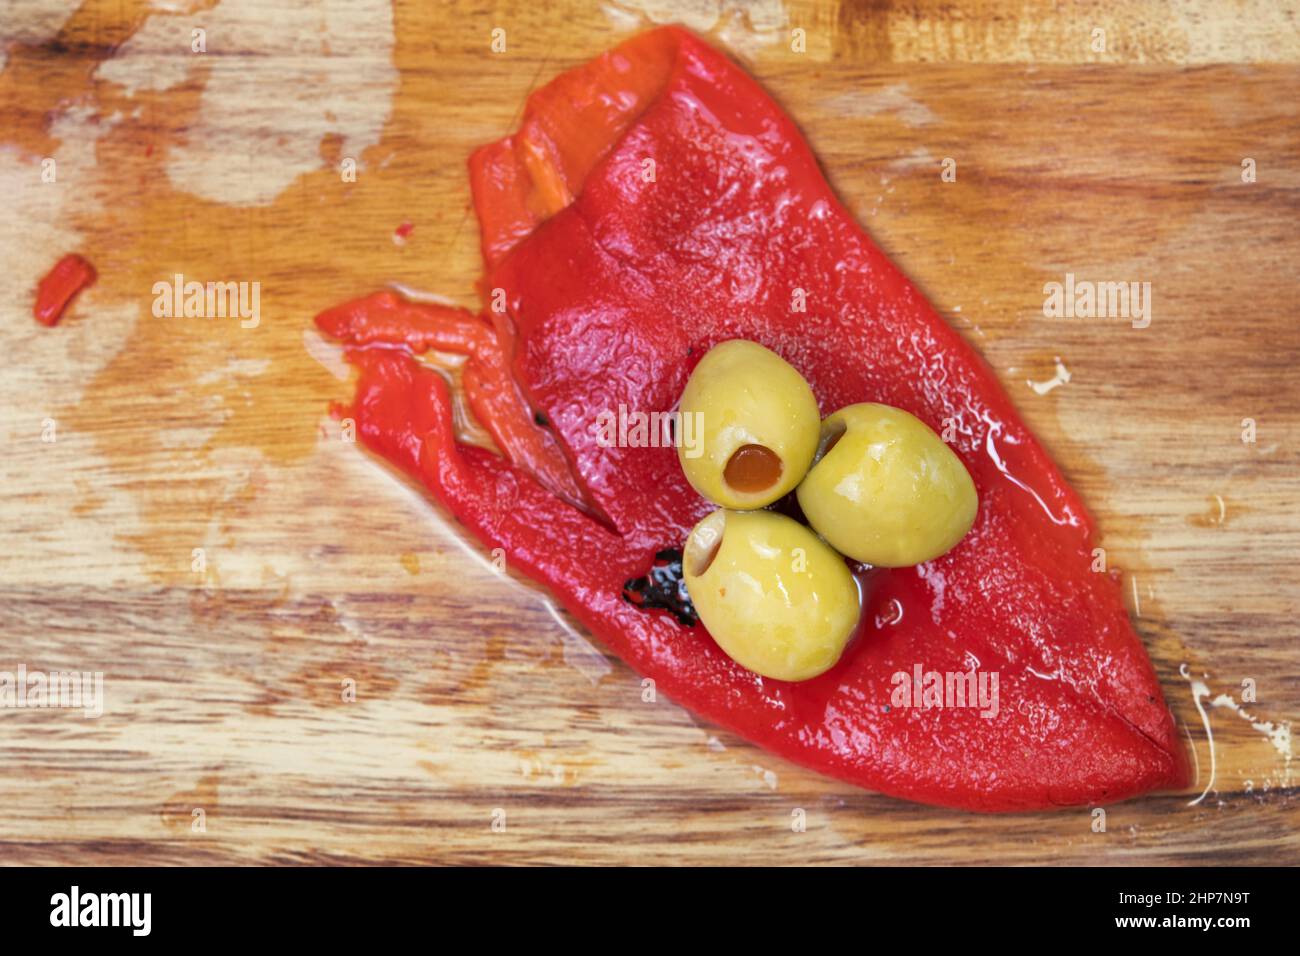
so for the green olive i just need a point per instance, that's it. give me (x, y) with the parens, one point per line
(755, 425)
(775, 598)
(885, 489)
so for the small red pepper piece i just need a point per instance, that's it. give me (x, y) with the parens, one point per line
(60, 286)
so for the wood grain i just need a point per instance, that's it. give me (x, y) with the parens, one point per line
(223, 685)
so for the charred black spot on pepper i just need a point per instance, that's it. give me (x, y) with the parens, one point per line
(663, 587)
(541, 419)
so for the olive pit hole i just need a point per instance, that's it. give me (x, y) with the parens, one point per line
(832, 432)
(704, 545)
(752, 469)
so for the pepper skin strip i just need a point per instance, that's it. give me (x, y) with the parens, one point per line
(387, 319)
(612, 298)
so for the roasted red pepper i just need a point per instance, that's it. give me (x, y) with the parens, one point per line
(654, 203)
(60, 286)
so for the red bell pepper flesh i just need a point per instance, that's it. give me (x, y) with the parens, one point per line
(60, 286)
(612, 299)
(521, 180)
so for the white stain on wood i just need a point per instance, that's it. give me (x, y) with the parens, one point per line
(1061, 377)
(894, 100)
(270, 96)
(1278, 734)
(46, 370)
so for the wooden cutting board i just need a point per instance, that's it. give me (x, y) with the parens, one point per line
(199, 531)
